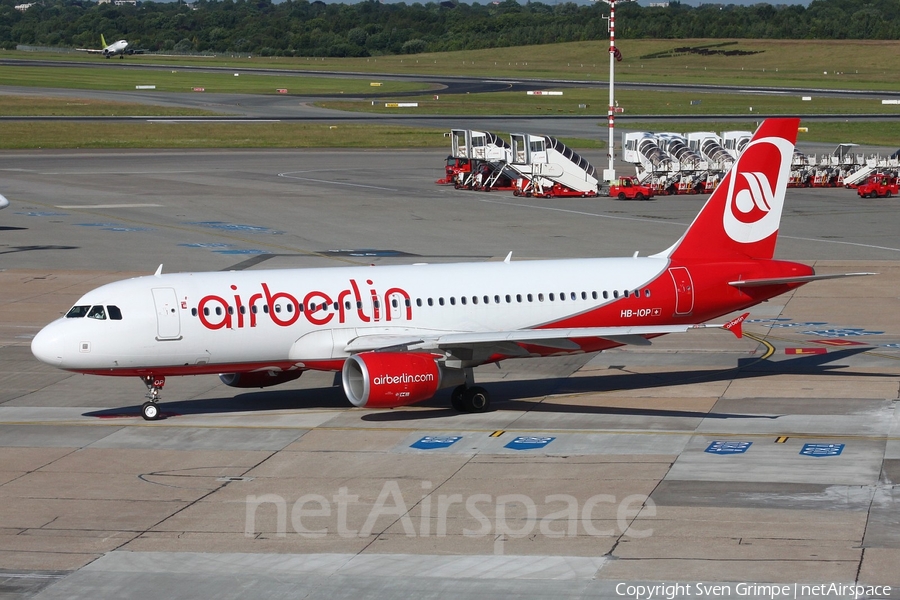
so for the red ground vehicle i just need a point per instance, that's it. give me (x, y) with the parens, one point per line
(878, 185)
(454, 167)
(630, 188)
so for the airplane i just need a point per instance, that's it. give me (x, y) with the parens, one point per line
(121, 48)
(3, 202)
(398, 334)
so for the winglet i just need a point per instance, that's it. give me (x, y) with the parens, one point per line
(508, 257)
(158, 271)
(734, 326)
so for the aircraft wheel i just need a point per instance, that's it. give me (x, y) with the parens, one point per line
(456, 398)
(150, 411)
(476, 400)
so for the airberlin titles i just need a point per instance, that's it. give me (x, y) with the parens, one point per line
(215, 312)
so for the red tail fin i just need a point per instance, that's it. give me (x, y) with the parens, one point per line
(742, 216)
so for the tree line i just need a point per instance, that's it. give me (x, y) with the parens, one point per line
(369, 28)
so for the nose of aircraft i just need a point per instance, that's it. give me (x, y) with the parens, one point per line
(46, 345)
(3, 202)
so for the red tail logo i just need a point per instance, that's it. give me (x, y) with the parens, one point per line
(741, 218)
(756, 187)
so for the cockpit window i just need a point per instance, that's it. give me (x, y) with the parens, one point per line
(114, 313)
(97, 312)
(76, 312)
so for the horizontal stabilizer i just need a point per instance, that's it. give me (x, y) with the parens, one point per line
(788, 280)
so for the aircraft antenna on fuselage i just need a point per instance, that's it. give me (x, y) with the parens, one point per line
(508, 257)
(158, 271)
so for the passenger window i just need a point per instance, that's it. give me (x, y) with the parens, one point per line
(530, 298)
(394, 302)
(551, 297)
(193, 312)
(116, 315)
(76, 312)
(646, 293)
(509, 299)
(452, 301)
(219, 310)
(98, 313)
(497, 299)
(615, 293)
(278, 308)
(230, 310)
(441, 301)
(574, 297)
(255, 310)
(626, 293)
(518, 297)
(462, 300)
(605, 295)
(430, 302)
(594, 295)
(206, 311)
(243, 310)
(406, 302)
(540, 297)
(418, 302)
(347, 304)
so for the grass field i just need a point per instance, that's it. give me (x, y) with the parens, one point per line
(173, 80)
(838, 64)
(23, 106)
(862, 65)
(634, 102)
(25, 135)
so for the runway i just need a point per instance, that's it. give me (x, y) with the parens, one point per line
(772, 459)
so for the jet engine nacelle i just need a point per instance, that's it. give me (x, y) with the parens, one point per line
(389, 379)
(258, 379)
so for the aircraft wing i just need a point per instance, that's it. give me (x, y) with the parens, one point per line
(91, 50)
(556, 338)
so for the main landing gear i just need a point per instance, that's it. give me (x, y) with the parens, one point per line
(150, 409)
(470, 398)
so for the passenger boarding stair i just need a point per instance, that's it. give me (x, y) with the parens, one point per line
(488, 154)
(550, 168)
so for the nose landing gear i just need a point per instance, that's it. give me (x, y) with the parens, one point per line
(150, 409)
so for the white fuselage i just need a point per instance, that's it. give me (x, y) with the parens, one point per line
(211, 322)
(115, 48)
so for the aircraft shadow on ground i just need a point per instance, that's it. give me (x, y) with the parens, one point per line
(11, 228)
(14, 249)
(523, 391)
